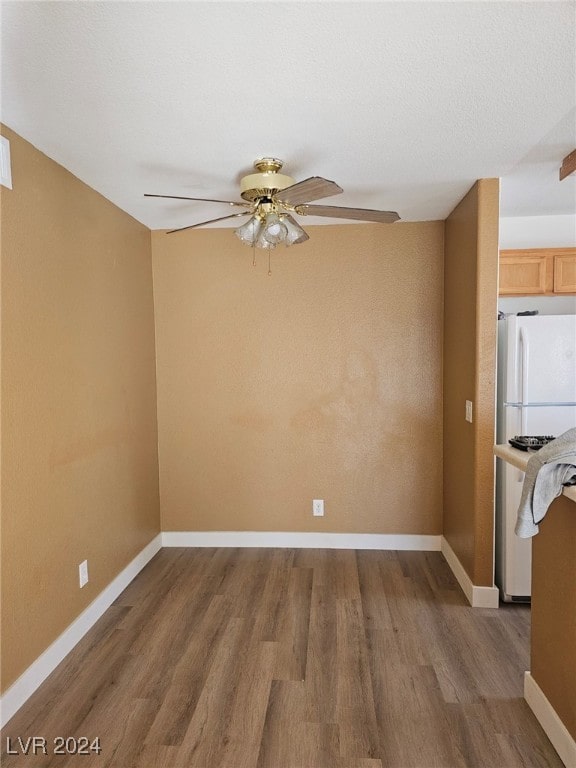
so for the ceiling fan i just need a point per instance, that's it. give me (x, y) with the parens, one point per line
(270, 198)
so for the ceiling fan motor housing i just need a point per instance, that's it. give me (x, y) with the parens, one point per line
(265, 183)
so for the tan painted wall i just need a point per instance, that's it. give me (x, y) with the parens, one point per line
(79, 449)
(470, 310)
(320, 381)
(553, 635)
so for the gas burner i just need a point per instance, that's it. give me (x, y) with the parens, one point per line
(530, 442)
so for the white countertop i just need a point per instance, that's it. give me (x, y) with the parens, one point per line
(520, 459)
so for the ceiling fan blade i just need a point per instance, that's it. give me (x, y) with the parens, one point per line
(337, 212)
(199, 199)
(210, 221)
(314, 188)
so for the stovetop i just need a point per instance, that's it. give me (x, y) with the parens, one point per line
(530, 442)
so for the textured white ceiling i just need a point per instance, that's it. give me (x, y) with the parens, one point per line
(404, 104)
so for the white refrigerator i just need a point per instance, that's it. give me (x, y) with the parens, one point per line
(536, 396)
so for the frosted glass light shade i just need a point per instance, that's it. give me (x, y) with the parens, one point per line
(294, 232)
(262, 242)
(274, 229)
(250, 231)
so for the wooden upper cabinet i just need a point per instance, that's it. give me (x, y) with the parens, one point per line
(537, 271)
(525, 272)
(565, 272)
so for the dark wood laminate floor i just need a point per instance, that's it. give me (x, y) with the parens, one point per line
(283, 658)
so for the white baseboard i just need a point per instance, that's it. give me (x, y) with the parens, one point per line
(300, 540)
(21, 690)
(553, 727)
(478, 597)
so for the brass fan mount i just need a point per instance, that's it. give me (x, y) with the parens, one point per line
(268, 165)
(267, 182)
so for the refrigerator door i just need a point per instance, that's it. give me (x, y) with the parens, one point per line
(541, 359)
(513, 554)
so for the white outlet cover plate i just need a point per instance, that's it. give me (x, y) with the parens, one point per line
(318, 507)
(5, 165)
(83, 573)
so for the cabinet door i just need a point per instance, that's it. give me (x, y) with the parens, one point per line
(565, 271)
(525, 273)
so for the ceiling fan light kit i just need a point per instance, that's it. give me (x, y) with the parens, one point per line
(271, 197)
(269, 229)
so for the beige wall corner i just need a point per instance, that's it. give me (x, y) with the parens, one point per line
(79, 448)
(470, 318)
(322, 380)
(478, 597)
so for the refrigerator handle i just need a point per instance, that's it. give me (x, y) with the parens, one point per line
(523, 377)
(524, 360)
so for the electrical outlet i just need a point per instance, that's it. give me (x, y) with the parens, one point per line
(83, 573)
(5, 166)
(318, 507)
(469, 411)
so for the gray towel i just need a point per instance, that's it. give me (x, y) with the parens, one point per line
(548, 470)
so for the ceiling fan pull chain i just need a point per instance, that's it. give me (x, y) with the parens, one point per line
(269, 270)
(254, 254)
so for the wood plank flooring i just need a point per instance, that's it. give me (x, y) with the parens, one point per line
(284, 658)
